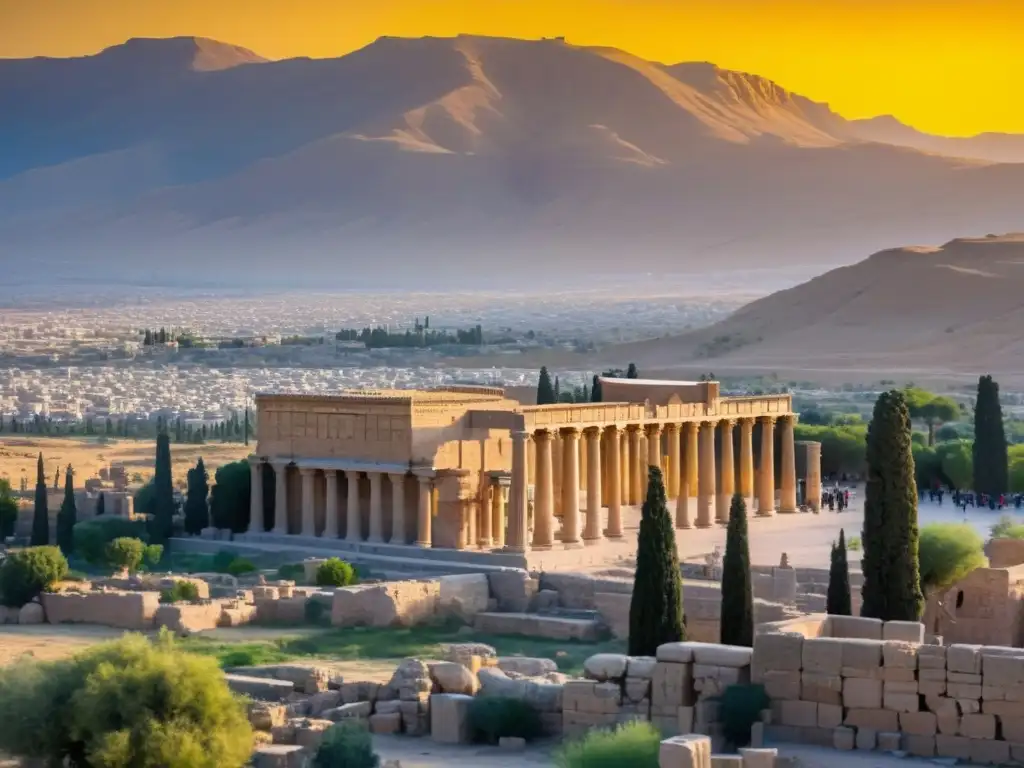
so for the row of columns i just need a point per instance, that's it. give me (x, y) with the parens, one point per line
(615, 467)
(354, 517)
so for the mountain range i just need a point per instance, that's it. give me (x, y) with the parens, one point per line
(468, 158)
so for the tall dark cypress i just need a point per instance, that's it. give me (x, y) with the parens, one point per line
(101, 504)
(892, 579)
(41, 512)
(595, 389)
(737, 623)
(67, 516)
(839, 601)
(656, 608)
(632, 372)
(197, 509)
(163, 490)
(991, 468)
(545, 389)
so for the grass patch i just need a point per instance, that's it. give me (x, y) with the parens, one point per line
(384, 644)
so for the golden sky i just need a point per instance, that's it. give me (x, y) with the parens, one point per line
(947, 66)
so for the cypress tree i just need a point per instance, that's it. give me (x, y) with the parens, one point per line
(545, 389)
(101, 505)
(595, 389)
(632, 372)
(656, 608)
(892, 579)
(838, 601)
(163, 490)
(737, 624)
(989, 452)
(41, 513)
(67, 516)
(197, 510)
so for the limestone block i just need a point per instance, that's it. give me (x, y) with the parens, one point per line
(31, 613)
(1012, 729)
(605, 666)
(684, 719)
(994, 693)
(855, 627)
(969, 706)
(280, 756)
(876, 719)
(613, 608)
(862, 654)
(1004, 667)
(575, 723)
(931, 657)
(726, 761)
(706, 712)
(259, 688)
(859, 693)
(919, 723)
(953, 746)
(320, 702)
(918, 745)
(899, 655)
(931, 687)
(798, 713)
(899, 675)
(450, 677)
(960, 691)
(867, 738)
(758, 758)
(825, 689)
(899, 687)
(713, 654)
(783, 684)
(901, 702)
(667, 725)
(978, 726)
(890, 741)
(776, 652)
(908, 631)
(449, 718)
(823, 655)
(576, 691)
(757, 735)
(677, 653)
(966, 678)
(473, 656)
(636, 689)
(546, 696)
(359, 691)
(463, 595)
(640, 666)
(309, 733)
(526, 665)
(264, 716)
(948, 722)
(672, 685)
(1003, 708)
(843, 738)
(122, 610)
(494, 682)
(964, 658)
(989, 752)
(394, 603)
(391, 723)
(687, 751)
(781, 734)
(830, 715)
(388, 707)
(934, 675)
(819, 737)
(513, 589)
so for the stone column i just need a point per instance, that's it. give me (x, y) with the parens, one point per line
(614, 530)
(727, 479)
(636, 473)
(787, 499)
(672, 481)
(354, 520)
(308, 507)
(625, 467)
(256, 522)
(376, 508)
(766, 473)
(331, 513)
(496, 524)
(747, 461)
(281, 498)
(592, 530)
(544, 498)
(683, 503)
(653, 452)
(557, 463)
(812, 478)
(515, 538)
(571, 487)
(397, 507)
(692, 429)
(423, 512)
(706, 491)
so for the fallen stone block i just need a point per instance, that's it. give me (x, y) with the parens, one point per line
(264, 716)
(450, 677)
(359, 710)
(449, 718)
(606, 666)
(526, 665)
(687, 751)
(259, 687)
(393, 603)
(513, 589)
(758, 757)
(463, 595)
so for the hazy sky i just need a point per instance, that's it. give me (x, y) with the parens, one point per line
(947, 66)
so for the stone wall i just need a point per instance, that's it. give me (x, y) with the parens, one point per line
(1004, 553)
(985, 607)
(124, 610)
(962, 701)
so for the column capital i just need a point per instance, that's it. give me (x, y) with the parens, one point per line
(352, 474)
(396, 477)
(747, 420)
(543, 435)
(330, 472)
(280, 464)
(521, 434)
(593, 431)
(728, 420)
(790, 418)
(255, 461)
(572, 430)
(672, 427)
(307, 471)
(424, 479)
(652, 429)
(767, 419)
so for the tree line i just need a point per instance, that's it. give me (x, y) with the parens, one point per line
(421, 336)
(232, 430)
(550, 391)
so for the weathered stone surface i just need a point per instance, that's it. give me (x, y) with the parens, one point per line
(31, 613)
(830, 715)
(918, 745)
(953, 746)
(890, 741)
(310, 732)
(825, 689)
(964, 658)
(906, 631)
(394, 603)
(823, 655)
(605, 666)
(989, 752)
(782, 684)
(899, 655)
(919, 723)
(449, 718)
(123, 610)
(613, 608)
(901, 702)
(536, 625)
(450, 677)
(855, 627)
(513, 589)
(280, 756)
(862, 654)
(464, 595)
(359, 710)
(866, 738)
(640, 666)
(259, 687)
(844, 738)
(672, 686)
(802, 714)
(880, 720)
(386, 723)
(526, 665)
(715, 655)
(978, 726)
(546, 696)
(859, 693)
(264, 716)
(687, 751)
(678, 653)
(931, 657)
(776, 652)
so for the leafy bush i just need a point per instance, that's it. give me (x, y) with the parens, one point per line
(124, 704)
(494, 717)
(92, 536)
(240, 566)
(222, 561)
(739, 709)
(152, 555)
(125, 553)
(947, 552)
(317, 613)
(27, 573)
(635, 745)
(292, 572)
(853, 544)
(1007, 528)
(335, 573)
(346, 745)
(181, 592)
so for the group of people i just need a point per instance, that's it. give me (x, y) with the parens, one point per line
(835, 497)
(965, 499)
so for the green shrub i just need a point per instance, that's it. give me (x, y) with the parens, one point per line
(222, 561)
(240, 566)
(853, 544)
(125, 553)
(124, 704)
(317, 613)
(92, 536)
(152, 555)
(740, 707)
(181, 592)
(1007, 528)
(493, 717)
(947, 552)
(292, 572)
(346, 745)
(635, 745)
(27, 573)
(335, 573)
